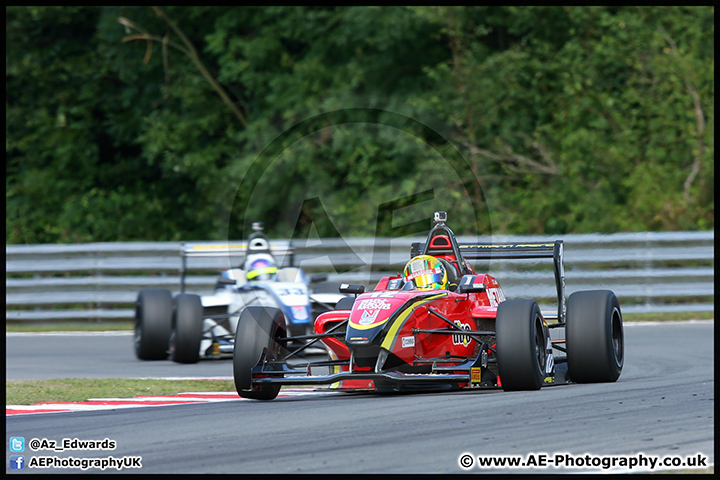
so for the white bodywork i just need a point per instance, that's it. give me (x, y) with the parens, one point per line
(293, 294)
(284, 288)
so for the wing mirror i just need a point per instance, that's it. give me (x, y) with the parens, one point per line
(349, 288)
(468, 285)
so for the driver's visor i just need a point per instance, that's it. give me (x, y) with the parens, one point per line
(254, 273)
(431, 278)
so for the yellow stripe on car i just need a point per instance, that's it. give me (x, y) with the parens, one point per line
(400, 320)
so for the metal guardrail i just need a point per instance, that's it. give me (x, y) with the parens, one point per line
(649, 272)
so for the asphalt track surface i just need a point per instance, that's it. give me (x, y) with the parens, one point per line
(662, 405)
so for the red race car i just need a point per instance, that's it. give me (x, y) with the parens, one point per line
(439, 325)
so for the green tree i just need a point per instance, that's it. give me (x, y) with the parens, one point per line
(583, 119)
(147, 123)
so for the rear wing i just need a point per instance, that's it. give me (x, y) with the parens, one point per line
(513, 251)
(224, 250)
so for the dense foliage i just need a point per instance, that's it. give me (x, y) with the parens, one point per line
(180, 123)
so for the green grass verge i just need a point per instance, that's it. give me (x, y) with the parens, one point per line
(709, 470)
(666, 317)
(27, 392)
(68, 327)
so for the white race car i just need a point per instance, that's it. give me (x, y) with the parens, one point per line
(190, 327)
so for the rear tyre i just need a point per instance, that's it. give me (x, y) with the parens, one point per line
(187, 332)
(594, 337)
(153, 320)
(258, 329)
(521, 345)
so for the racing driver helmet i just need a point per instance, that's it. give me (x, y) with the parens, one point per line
(260, 267)
(425, 272)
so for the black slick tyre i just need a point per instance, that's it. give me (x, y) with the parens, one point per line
(187, 329)
(594, 337)
(258, 330)
(521, 345)
(153, 320)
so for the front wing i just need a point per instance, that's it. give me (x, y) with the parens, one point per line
(469, 373)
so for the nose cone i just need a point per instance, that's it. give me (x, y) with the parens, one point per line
(370, 314)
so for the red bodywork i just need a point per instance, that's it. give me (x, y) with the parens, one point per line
(397, 321)
(399, 337)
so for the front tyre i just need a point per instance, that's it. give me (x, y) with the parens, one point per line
(153, 320)
(258, 330)
(187, 332)
(594, 337)
(521, 345)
